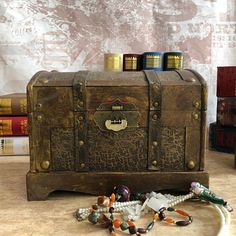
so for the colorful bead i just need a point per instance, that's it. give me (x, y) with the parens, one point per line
(190, 218)
(130, 223)
(124, 226)
(182, 223)
(111, 210)
(113, 197)
(111, 228)
(183, 213)
(104, 221)
(132, 230)
(161, 215)
(93, 217)
(95, 207)
(150, 226)
(116, 223)
(124, 193)
(155, 217)
(169, 220)
(162, 209)
(170, 209)
(141, 231)
(103, 201)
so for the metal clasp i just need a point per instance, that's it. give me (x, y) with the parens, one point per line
(116, 125)
(117, 108)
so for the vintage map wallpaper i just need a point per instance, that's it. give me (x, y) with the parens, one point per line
(71, 35)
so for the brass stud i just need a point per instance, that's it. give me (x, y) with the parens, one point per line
(39, 105)
(44, 80)
(154, 163)
(191, 165)
(155, 86)
(82, 165)
(154, 143)
(196, 104)
(191, 79)
(45, 165)
(81, 117)
(81, 142)
(196, 116)
(39, 118)
(154, 117)
(155, 104)
(80, 104)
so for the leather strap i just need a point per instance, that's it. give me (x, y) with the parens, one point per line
(154, 129)
(80, 123)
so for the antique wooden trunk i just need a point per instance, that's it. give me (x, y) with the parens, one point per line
(90, 131)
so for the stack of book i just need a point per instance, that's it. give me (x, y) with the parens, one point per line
(223, 132)
(13, 125)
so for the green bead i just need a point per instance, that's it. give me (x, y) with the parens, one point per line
(207, 196)
(150, 226)
(124, 226)
(95, 207)
(170, 209)
(118, 197)
(190, 218)
(93, 217)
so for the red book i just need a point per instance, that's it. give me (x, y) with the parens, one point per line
(222, 138)
(14, 126)
(226, 81)
(226, 111)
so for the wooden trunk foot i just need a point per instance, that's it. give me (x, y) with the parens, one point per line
(40, 185)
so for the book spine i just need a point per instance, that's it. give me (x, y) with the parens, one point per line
(222, 138)
(226, 111)
(14, 126)
(10, 146)
(226, 81)
(16, 106)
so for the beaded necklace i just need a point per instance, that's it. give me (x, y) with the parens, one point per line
(119, 202)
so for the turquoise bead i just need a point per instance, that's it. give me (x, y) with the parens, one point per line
(93, 217)
(170, 209)
(124, 226)
(150, 226)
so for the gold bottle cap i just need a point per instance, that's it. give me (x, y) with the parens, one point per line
(113, 62)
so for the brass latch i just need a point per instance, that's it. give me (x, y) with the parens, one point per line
(116, 116)
(117, 108)
(116, 125)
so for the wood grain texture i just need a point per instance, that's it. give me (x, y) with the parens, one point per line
(40, 185)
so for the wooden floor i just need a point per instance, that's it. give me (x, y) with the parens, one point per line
(55, 216)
